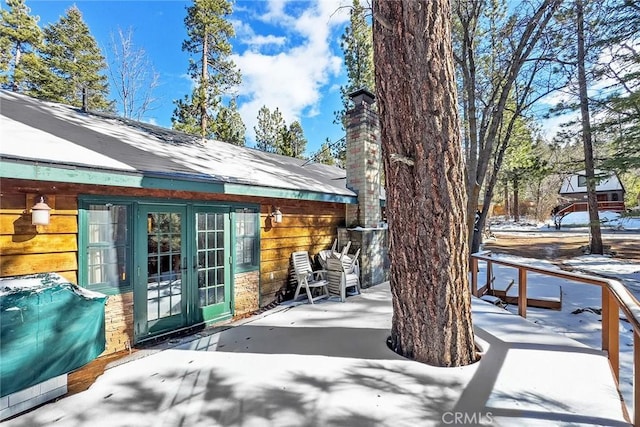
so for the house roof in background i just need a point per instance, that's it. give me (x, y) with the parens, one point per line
(609, 182)
(55, 142)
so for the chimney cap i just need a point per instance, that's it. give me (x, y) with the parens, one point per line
(362, 95)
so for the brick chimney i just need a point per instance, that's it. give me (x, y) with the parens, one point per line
(363, 160)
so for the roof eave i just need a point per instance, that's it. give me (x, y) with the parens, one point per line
(149, 180)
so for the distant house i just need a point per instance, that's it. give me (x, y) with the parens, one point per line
(178, 232)
(609, 192)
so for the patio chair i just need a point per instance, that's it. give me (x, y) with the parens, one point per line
(342, 273)
(351, 263)
(324, 254)
(307, 278)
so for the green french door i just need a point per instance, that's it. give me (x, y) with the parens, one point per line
(183, 268)
(212, 264)
(163, 287)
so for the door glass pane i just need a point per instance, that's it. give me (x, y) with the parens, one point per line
(211, 258)
(164, 265)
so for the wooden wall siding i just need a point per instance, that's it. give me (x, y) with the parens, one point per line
(306, 226)
(27, 249)
(119, 323)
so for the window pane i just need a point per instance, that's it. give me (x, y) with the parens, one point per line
(107, 245)
(246, 238)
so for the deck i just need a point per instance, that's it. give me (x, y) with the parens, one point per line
(328, 364)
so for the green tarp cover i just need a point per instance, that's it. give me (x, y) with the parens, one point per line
(48, 327)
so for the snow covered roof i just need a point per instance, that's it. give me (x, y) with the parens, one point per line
(576, 183)
(40, 134)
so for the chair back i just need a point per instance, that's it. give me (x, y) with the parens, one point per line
(301, 263)
(350, 262)
(335, 272)
(345, 250)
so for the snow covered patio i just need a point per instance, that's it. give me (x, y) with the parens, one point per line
(328, 364)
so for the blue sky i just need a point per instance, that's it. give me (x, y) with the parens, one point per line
(288, 51)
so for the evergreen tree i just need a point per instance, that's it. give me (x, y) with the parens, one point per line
(522, 161)
(621, 104)
(269, 129)
(229, 126)
(214, 72)
(421, 146)
(20, 36)
(324, 154)
(74, 63)
(292, 142)
(357, 47)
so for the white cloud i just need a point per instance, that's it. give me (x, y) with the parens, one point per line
(266, 40)
(552, 125)
(246, 35)
(295, 78)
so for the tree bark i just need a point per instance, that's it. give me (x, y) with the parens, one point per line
(595, 241)
(507, 207)
(516, 200)
(426, 200)
(203, 86)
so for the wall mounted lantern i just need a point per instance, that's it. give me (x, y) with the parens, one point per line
(40, 212)
(276, 215)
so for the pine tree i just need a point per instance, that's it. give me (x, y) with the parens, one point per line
(521, 161)
(357, 47)
(621, 104)
(214, 72)
(229, 126)
(292, 141)
(74, 64)
(20, 36)
(324, 154)
(269, 129)
(420, 134)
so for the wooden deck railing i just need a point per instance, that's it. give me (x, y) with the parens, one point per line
(583, 207)
(615, 297)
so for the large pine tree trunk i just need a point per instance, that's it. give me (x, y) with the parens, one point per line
(595, 243)
(426, 201)
(204, 84)
(516, 200)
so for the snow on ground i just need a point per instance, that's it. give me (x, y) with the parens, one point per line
(579, 316)
(608, 220)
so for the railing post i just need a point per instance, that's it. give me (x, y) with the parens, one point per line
(474, 276)
(611, 330)
(522, 292)
(489, 273)
(636, 379)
